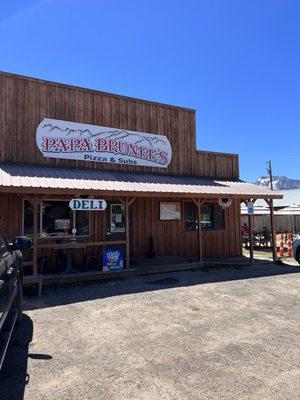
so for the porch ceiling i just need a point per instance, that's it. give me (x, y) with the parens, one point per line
(49, 179)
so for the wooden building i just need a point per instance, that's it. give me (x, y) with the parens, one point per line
(143, 163)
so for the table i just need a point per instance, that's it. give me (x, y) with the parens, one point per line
(69, 247)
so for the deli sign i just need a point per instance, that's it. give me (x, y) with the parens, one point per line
(71, 140)
(87, 204)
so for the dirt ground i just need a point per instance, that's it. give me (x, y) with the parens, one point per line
(222, 333)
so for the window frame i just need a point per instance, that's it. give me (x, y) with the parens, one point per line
(213, 229)
(170, 202)
(40, 222)
(110, 218)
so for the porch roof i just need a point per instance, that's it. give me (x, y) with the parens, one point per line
(53, 179)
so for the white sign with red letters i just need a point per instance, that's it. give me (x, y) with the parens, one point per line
(76, 141)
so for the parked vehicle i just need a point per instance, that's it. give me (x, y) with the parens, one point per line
(11, 293)
(296, 250)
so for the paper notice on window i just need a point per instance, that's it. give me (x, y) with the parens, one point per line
(62, 224)
(118, 218)
(170, 211)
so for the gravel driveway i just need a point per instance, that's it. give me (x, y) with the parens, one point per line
(204, 334)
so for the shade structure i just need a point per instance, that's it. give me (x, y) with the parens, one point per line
(37, 178)
(290, 210)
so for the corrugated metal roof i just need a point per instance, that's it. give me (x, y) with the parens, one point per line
(28, 176)
(291, 196)
(291, 210)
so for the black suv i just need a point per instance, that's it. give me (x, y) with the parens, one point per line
(11, 294)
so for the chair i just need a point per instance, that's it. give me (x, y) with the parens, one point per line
(93, 261)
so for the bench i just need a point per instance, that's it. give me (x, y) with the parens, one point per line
(32, 280)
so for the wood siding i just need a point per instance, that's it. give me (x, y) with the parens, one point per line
(24, 102)
(169, 237)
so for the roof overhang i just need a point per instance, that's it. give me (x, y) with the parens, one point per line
(16, 178)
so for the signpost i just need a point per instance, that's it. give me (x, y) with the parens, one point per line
(250, 207)
(87, 204)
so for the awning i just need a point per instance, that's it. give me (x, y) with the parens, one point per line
(52, 179)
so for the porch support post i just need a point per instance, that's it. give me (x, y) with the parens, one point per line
(250, 224)
(127, 204)
(273, 228)
(198, 204)
(35, 233)
(35, 201)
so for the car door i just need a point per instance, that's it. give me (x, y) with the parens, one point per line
(5, 279)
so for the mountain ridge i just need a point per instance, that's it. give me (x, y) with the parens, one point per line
(279, 182)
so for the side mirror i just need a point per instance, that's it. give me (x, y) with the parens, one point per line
(21, 243)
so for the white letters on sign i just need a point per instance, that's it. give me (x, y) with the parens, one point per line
(88, 204)
(71, 140)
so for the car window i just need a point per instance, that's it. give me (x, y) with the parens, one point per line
(3, 244)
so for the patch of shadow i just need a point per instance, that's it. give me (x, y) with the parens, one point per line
(164, 281)
(40, 356)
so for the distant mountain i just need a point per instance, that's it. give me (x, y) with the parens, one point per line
(279, 182)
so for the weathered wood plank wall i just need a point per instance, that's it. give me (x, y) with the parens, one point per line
(24, 102)
(170, 237)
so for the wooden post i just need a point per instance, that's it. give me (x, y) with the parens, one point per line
(273, 229)
(35, 201)
(198, 203)
(127, 204)
(250, 224)
(35, 233)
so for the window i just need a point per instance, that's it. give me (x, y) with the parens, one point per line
(190, 217)
(207, 216)
(169, 211)
(117, 218)
(55, 218)
(212, 216)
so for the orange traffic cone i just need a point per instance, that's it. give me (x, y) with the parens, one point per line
(281, 249)
(289, 243)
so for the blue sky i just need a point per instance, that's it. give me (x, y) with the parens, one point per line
(236, 62)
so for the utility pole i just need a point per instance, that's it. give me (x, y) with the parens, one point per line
(269, 169)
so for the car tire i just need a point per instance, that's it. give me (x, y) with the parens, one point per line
(19, 303)
(298, 255)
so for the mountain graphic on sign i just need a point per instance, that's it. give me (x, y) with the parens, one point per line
(122, 133)
(115, 134)
(67, 131)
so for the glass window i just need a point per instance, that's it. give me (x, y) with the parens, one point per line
(82, 222)
(27, 218)
(190, 216)
(212, 216)
(206, 216)
(218, 214)
(55, 218)
(117, 218)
